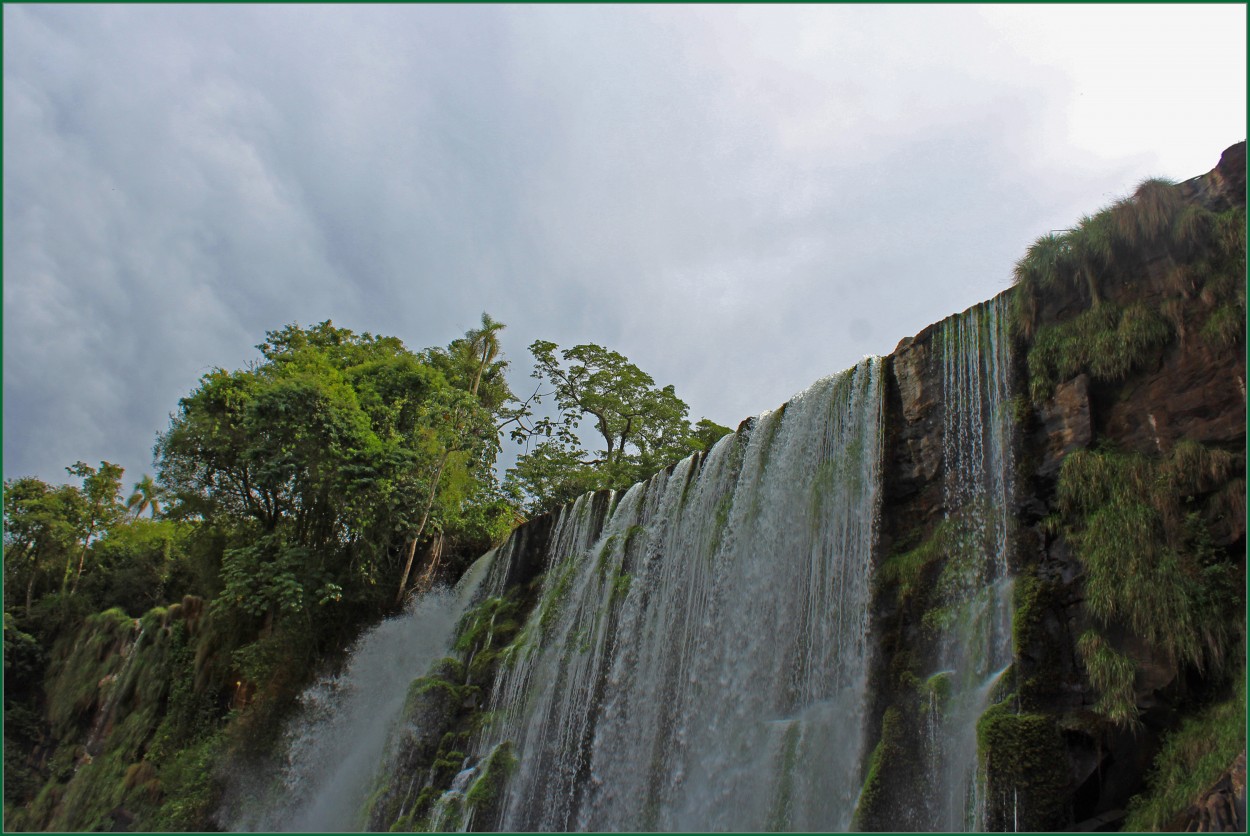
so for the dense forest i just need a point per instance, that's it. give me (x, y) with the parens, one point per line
(296, 501)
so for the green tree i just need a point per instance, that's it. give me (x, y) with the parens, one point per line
(456, 430)
(333, 458)
(473, 363)
(102, 491)
(41, 527)
(643, 426)
(147, 494)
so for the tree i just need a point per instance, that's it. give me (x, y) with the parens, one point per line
(473, 363)
(147, 494)
(333, 459)
(455, 425)
(643, 426)
(101, 489)
(42, 524)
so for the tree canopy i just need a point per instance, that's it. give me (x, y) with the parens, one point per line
(643, 427)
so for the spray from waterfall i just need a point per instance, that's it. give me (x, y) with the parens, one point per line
(339, 737)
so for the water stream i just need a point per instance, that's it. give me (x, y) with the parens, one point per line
(974, 616)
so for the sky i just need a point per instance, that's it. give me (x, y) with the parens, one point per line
(740, 199)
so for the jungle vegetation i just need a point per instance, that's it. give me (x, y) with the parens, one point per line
(295, 501)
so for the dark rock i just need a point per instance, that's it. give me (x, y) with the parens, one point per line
(1066, 424)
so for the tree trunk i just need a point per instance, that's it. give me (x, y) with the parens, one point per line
(30, 587)
(425, 517)
(412, 551)
(436, 557)
(82, 557)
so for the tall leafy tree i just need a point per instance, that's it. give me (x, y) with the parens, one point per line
(474, 363)
(42, 526)
(101, 489)
(334, 458)
(642, 426)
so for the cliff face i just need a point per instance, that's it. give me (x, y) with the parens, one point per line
(1172, 410)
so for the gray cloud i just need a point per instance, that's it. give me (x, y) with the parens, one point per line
(740, 200)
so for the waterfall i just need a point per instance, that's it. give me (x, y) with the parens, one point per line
(345, 722)
(691, 653)
(973, 619)
(698, 656)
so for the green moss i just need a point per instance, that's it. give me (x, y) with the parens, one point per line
(485, 789)
(1189, 762)
(631, 535)
(605, 554)
(620, 586)
(553, 598)
(1225, 327)
(780, 812)
(487, 623)
(905, 571)
(937, 689)
(1025, 763)
(886, 756)
(84, 669)
(723, 506)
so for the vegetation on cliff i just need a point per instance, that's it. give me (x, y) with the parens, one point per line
(1153, 287)
(296, 500)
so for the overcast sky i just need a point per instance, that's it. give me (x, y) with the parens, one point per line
(739, 199)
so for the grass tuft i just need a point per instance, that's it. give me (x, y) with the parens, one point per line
(1106, 341)
(1190, 761)
(1112, 674)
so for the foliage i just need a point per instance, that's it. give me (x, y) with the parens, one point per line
(906, 571)
(331, 459)
(1111, 673)
(287, 497)
(1117, 241)
(552, 474)
(643, 427)
(1105, 341)
(889, 752)
(1190, 761)
(1149, 565)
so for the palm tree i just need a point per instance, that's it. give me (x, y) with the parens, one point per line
(147, 494)
(484, 346)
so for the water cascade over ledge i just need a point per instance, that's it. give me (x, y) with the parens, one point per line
(973, 618)
(693, 653)
(346, 721)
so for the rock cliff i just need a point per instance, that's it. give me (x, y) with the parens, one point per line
(1139, 369)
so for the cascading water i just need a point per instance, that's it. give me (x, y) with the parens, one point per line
(345, 723)
(699, 659)
(973, 620)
